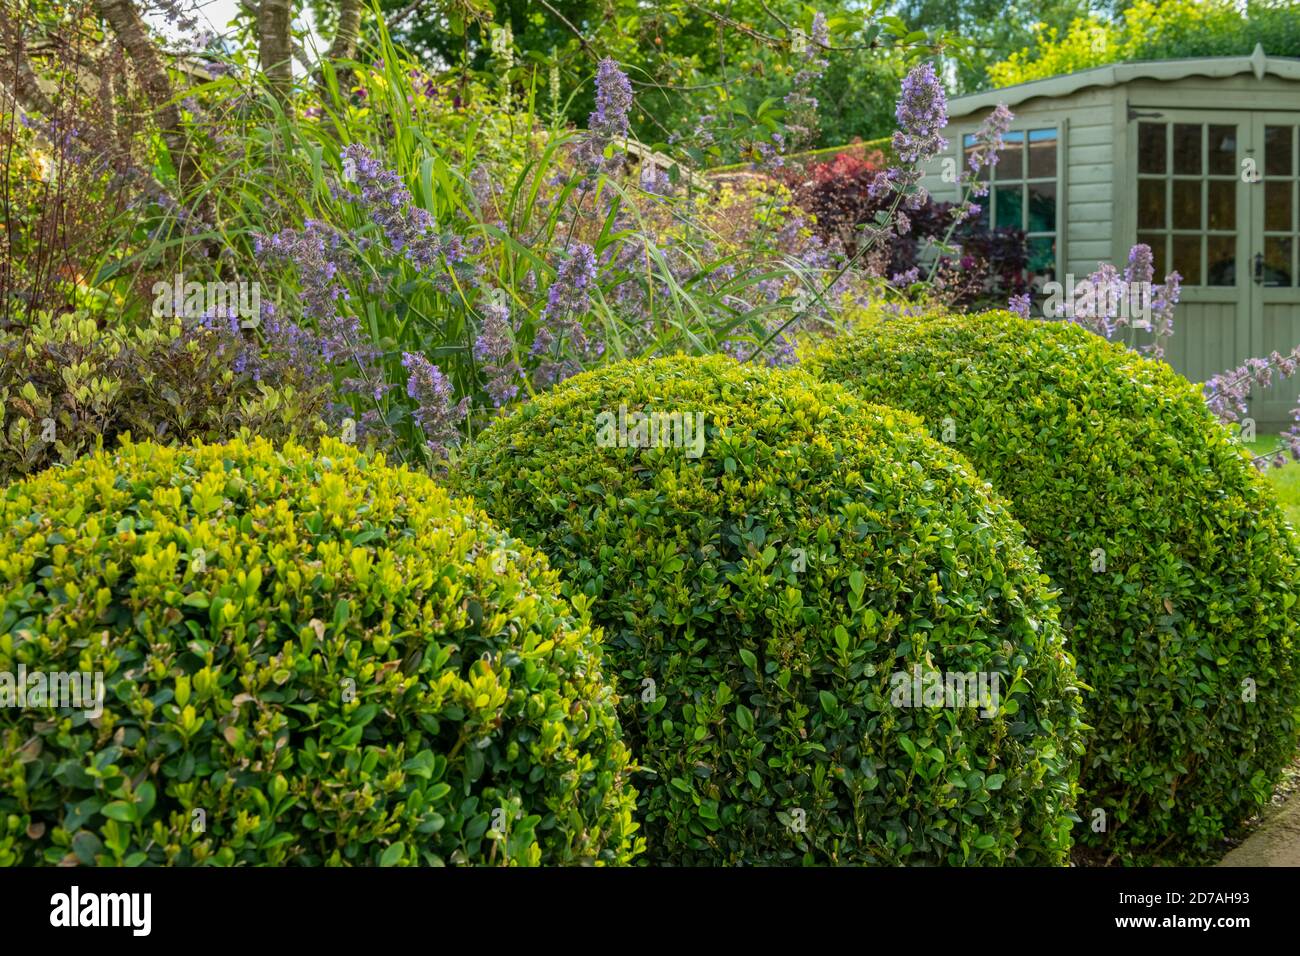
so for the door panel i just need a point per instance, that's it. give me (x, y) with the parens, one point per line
(1275, 279)
(1217, 197)
(1193, 210)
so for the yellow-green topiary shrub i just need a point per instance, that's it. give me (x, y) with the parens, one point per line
(306, 658)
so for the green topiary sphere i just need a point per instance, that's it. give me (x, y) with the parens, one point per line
(770, 566)
(305, 659)
(1177, 569)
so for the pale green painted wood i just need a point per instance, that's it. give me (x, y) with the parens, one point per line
(1097, 190)
(1120, 75)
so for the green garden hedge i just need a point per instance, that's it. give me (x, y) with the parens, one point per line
(774, 566)
(1177, 570)
(305, 658)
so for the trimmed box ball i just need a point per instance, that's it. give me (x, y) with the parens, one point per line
(832, 644)
(272, 656)
(1177, 569)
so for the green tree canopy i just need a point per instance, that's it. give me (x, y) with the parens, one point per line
(1155, 31)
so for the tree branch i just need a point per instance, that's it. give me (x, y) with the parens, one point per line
(400, 18)
(572, 29)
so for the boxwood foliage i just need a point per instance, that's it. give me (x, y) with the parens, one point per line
(1177, 568)
(306, 659)
(760, 593)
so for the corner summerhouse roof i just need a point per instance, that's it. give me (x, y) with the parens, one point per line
(1117, 74)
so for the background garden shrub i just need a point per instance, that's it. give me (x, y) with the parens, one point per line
(70, 384)
(760, 591)
(983, 264)
(316, 660)
(1177, 570)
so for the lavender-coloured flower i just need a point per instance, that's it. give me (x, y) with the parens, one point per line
(570, 293)
(435, 412)
(902, 280)
(799, 102)
(493, 347)
(408, 229)
(770, 157)
(703, 132)
(1164, 299)
(820, 34)
(1141, 265)
(1020, 305)
(922, 112)
(613, 101)
(1228, 393)
(609, 121)
(780, 350)
(317, 255)
(1097, 307)
(561, 341)
(1109, 301)
(655, 180)
(988, 139)
(483, 186)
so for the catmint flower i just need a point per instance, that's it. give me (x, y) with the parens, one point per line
(770, 153)
(408, 229)
(922, 112)
(655, 180)
(1109, 295)
(613, 101)
(570, 293)
(988, 139)
(561, 339)
(821, 34)
(609, 121)
(1020, 305)
(315, 252)
(1141, 264)
(493, 348)
(434, 412)
(1164, 298)
(482, 186)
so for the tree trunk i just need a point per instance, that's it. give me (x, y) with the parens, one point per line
(132, 33)
(344, 46)
(274, 51)
(16, 72)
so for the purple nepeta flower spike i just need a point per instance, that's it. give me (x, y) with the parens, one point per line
(922, 112)
(988, 139)
(435, 413)
(570, 293)
(613, 100)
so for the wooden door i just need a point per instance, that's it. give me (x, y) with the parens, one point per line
(1275, 245)
(1193, 210)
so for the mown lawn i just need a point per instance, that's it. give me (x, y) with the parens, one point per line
(1286, 479)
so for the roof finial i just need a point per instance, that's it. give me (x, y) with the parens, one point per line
(1259, 61)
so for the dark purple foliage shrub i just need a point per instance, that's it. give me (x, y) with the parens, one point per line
(992, 264)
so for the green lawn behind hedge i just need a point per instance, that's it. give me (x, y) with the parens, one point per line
(1286, 479)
